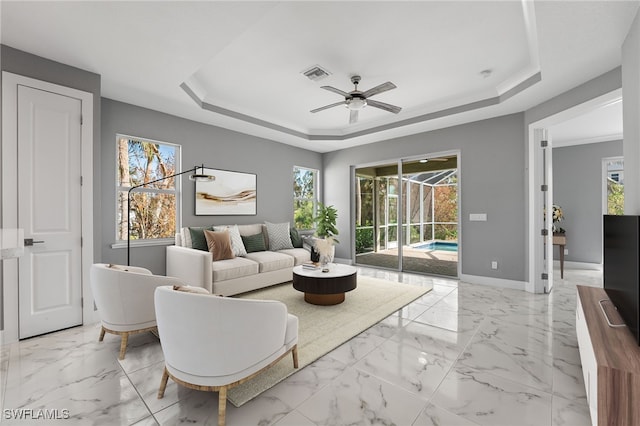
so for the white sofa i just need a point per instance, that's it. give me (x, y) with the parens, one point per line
(233, 276)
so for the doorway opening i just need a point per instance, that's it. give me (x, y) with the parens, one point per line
(406, 215)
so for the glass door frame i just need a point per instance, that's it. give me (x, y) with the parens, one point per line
(401, 209)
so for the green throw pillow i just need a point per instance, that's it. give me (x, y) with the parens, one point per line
(296, 239)
(254, 243)
(198, 241)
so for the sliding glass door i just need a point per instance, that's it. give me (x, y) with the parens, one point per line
(406, 216)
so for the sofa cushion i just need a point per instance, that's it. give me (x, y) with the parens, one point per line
(198, 241)
(219, 244)
(299, 255)
(236, 240)
(271, 261)
(233, 268)
(253, 243)
(279, 238)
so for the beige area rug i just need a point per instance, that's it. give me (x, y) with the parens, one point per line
(323, 328)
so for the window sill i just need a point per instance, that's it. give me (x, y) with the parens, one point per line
(147, 243)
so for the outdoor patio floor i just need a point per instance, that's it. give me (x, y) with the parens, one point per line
(436, 262)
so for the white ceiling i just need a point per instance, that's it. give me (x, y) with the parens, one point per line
(239, 64)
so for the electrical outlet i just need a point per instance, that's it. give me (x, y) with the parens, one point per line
(566, 252)
(494, 264)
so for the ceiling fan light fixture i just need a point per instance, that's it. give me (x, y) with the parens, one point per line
(356, 103)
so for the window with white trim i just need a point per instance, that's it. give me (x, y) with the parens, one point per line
(305, 197)
(154, 211)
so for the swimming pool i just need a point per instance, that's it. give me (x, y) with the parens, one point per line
(439, 245)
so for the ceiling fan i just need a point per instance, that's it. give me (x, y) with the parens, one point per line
(356, 100)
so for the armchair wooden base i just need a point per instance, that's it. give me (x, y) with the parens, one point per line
(222, 390)
(125, 336)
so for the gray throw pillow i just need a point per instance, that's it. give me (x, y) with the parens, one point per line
(279, 238)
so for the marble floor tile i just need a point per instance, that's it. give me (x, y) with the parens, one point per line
(111, 401)
(356, 397)
(389, 326)
(516, 334)
(531, 368)
(299, 387)
(143, 350)
(147, 421)
(437, 341)
(355, 349)
(491, 400)
(147, 382)
(37, 376)
(433, 415)
(407, 367)
(462, 320)
(566, 412)
(568, 380)
(294, 419)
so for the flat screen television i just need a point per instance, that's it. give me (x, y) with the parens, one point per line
(621, 270)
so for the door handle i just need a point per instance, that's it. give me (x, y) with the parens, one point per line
(29, 242)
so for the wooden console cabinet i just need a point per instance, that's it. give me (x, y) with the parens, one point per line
(610, 363)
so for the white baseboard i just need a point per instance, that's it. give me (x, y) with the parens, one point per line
(493, 282)
(578, 265)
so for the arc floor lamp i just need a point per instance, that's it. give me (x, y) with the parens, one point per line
(197, 177)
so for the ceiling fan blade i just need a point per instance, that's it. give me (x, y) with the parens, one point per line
(437, 159)
(379, 89)
(334, 90)
(328, 106)
(387, 107)
(353, 116)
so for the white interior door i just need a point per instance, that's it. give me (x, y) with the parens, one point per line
(49, 211)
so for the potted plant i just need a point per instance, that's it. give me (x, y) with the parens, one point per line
(327, 230)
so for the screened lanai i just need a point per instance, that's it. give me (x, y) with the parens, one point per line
(407, 216)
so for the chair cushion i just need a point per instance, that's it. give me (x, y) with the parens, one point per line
(299, 255)
(219, 244)
(271, 261)
(233, 268)
(236, 240)
(279, 237)
(253, 243)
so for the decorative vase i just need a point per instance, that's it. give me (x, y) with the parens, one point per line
(326, 250)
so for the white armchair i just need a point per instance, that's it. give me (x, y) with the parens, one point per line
(124, 298)
(213, 343)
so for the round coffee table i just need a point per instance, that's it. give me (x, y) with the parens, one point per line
(325, 288)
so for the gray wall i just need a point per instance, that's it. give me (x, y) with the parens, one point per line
(215, 147)
(577, 188)
(491, 182)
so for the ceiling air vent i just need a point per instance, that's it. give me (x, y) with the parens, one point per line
(316, 73)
